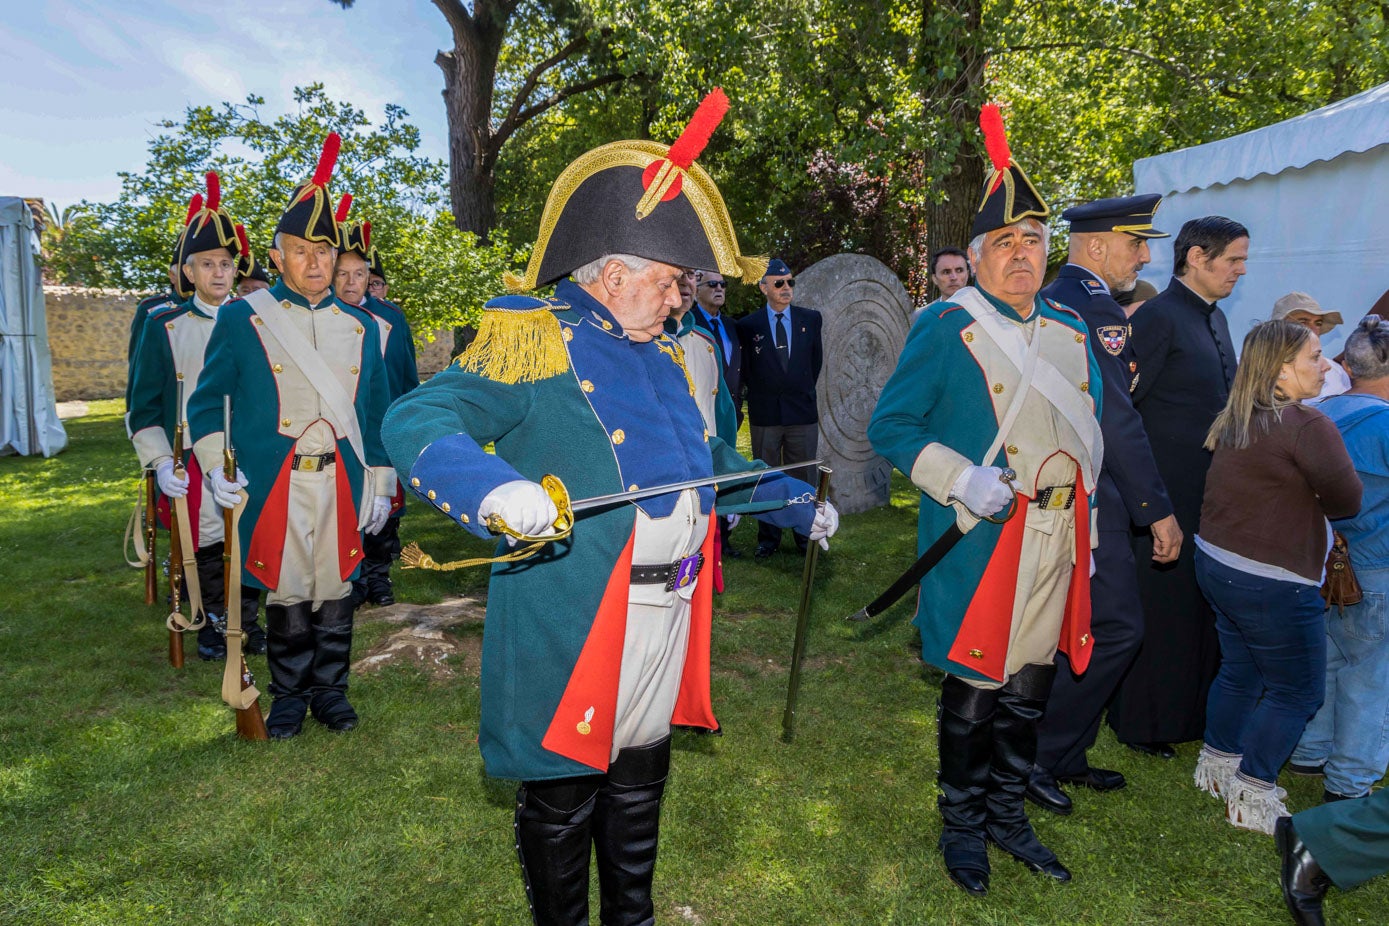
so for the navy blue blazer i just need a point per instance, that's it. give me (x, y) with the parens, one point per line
(732, 367)
(1129, 486)
(779, 396)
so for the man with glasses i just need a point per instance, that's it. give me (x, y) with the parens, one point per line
(782, 355)
(711, 290)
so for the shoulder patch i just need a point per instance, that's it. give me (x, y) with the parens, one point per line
(1093, 287)
(1113, 337)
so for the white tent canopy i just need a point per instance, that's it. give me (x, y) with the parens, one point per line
(28, 417)
(1313, 192)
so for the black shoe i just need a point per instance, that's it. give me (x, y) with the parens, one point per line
(334, 711)
(732, 553)
(383, 597)
(1331, 797)
(1043, 791)
(1028, 849)
(212, 652)
(286, 718)
(1096, 779)
(1160, 750)
(1303, 882)
(764, 551)
(973, 880)
(1307, 771)
(255, 640)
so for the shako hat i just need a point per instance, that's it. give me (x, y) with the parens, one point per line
(641, 198)
(210, 227)
(1132, 215)
(355, 236)
(247, 267)
(309, 213)
(1009, 195)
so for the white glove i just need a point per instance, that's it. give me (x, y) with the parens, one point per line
(1092, 564)
(825, 524)
(523, 505)
(380, 511)
(224, 493)
(733, 520)
(983, 491)
(171, 485)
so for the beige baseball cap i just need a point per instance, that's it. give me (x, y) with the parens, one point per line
(1301, 302)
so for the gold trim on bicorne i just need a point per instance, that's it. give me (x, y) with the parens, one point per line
(1010, 190)
(226, 229)
(320, 203)
(696, 186)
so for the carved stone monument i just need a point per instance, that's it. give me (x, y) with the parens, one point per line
(865, 309)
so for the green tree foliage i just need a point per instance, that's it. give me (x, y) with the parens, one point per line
(438, 274)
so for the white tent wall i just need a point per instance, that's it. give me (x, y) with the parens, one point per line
(1321, 229)
(28, 415)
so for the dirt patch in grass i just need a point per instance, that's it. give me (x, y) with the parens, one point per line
(442, 640)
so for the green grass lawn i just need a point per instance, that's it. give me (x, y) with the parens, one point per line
(126, 799)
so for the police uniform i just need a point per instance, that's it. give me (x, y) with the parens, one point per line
(308, 485)
(171, 352)
(1129, 490)
(594, 646)
(994, 612)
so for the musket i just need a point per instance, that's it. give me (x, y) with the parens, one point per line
(176, 546)
(151, 520)
(812, 550)
(250, 723)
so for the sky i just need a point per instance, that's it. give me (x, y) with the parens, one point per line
(84, 82)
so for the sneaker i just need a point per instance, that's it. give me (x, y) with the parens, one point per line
(1255, 805)
(1214, 769)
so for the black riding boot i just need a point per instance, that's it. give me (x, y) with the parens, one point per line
(290, 653)
(553, 834)
(625, 827)
(1020, 706)
(212, 640)
(966, 722)
(250, 623)
(332, 655)
(380, 550)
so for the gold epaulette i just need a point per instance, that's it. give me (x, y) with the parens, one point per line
(518, 341)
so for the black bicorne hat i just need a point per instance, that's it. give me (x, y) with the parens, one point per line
(184, 286)
(247, 267)
(1009, 195)
(375, 265)
(211, 227)
(355, 236)
(309, 213)
(640, 198)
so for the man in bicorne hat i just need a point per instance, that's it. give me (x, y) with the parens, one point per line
(308, 390)
(351, 283)
(172, 349)
(595, 645)
(991, 413)
(180, 290)
(250, 273)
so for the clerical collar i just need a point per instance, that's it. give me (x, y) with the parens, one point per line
(1194, 292)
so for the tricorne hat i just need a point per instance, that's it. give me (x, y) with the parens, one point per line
(1008, 196)
(309, 214)
(641, 198)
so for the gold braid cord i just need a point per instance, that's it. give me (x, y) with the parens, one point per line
(412, 557)
(672, 349)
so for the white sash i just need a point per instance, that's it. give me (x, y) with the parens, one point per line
(1046, 379)
(342, 413)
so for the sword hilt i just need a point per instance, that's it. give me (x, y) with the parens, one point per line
(563, 525)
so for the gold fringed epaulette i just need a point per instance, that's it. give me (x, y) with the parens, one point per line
(518, 341)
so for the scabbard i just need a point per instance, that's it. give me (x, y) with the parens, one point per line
(912, 577)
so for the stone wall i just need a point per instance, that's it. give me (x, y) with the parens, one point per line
(88, 331)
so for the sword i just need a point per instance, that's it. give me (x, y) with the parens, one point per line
(812, 551)
(926, 562)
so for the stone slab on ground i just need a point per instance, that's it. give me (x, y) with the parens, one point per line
(444, 639)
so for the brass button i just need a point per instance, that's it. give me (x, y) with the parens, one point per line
(998, 388)
(619, 436)
(430, 495)
(415, 481)
(337, 311)
(358, 329)
(257, 320)
(1084, 387)
(352, 370)
(706, 435)
(352, 552)
(444, 507)
(286, 303)
(607, 325)
(1043, 323)
(714, 391)
(632, 487)
(1080, 339)
(277, 368)
(284, 422)
(709, 348)
(178, 376)
(463, 518)
(169, 325)
(1085, 639)
(969, 336)
(977, 653)
(1143, 505)
(1012, 450)
(568, 334)
(259, 564)
(586, 386)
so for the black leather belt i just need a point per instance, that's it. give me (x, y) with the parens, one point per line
(672, 575)
(313, 462)
(1056, 498)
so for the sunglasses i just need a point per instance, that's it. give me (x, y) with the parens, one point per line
(714, 284)
(789, 281)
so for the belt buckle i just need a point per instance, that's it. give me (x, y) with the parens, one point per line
(1058, 498)
(684, 572)
(309, 464)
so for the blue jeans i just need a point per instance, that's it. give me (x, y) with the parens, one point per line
(1351, 731)
(1272, 665)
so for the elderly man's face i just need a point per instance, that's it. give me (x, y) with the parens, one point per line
(212, 273)
(350, 279)
(306, 266)
(778, 290)
(1012, 263)
(1123, 257)
(686, 285)
(712, 291)
(951, 274)
(248, 286)
(641, 301)
(376, 286)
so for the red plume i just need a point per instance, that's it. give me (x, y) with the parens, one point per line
(327, 160)
(214, 191)
(995, 138)
(366, 237)
(195, 205)
(696, 135)
(245, 242)
(344, 205)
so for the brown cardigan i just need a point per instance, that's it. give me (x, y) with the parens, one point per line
(1268, 501)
